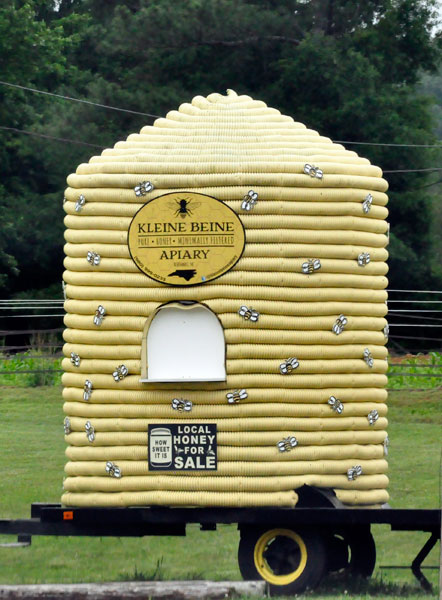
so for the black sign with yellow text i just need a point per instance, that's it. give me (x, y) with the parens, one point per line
(185, 238)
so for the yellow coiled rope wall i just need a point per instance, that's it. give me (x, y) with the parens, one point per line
(313, 269)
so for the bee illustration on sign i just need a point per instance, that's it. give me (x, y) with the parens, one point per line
(183, 209)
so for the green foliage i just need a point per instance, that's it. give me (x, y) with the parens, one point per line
(413, 379)
(34, 53)
(347, 69)
(31, 360)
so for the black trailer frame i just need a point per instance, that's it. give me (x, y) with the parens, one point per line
(54, 519)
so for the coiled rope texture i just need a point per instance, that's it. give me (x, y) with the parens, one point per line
(224, 146)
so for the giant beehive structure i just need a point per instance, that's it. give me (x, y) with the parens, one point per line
(315, 200)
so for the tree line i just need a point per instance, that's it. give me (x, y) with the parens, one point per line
(349, 69)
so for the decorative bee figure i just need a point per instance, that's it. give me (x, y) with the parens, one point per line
(335, 405)
(372, 417)
(90, 431)
(113, 470)
(366, 205)
(99, 315)
(80, 203)
(313, 171)
(249, 201)
(386, 331)
(386, 444)
(368, 358)
(354, 472)
(67, 426)
(288, 365)
(120, 372)
(87, 390)
(287, 444)
(182, 405)
(340, 324)
(93, 258)
(312, 265)
(248, 314)
(363, 259)
(75, 359)
(143, 188)
(235, 396)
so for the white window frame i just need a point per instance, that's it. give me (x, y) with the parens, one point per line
(183, 345)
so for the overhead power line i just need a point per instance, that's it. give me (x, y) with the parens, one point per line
(404, 310)
(415, 170)
(135, 112)
(388, 144)
(415, 302)
(78, 142)
(409, 337)
(417, 292)
(35, 91)
(412, 325)
(36, 308)
(50, 137)
(27, 300)
(29, 331)
(28, 316)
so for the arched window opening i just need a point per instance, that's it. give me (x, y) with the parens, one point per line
(183, 342)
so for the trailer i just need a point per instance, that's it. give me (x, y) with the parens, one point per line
(225, 357)
(292, 549)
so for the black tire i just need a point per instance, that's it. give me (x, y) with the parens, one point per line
(290, 561)
(362, 553)
(352, 553)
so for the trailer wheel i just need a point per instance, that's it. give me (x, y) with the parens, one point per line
(362, 553)
(290, 561)
(352, 553)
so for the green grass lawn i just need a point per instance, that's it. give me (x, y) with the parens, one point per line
(32, 460)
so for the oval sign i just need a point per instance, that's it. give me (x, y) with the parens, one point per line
(185, 238)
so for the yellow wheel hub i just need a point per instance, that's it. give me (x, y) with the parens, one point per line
(266, 570)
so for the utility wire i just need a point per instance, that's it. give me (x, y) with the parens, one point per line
(51, 137)
(414, 311)
(27, 316)
(411, 325)
(68, 140)
(43, 307)
(8, 348)
(417, 292)
(78, 142)
(31, 299)
(409, 337)
(29, 331)
(415, 302)
(389, 300)
(414, 317)
(135, 112)
(35, 91)
(415, 170)
(388, 144)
